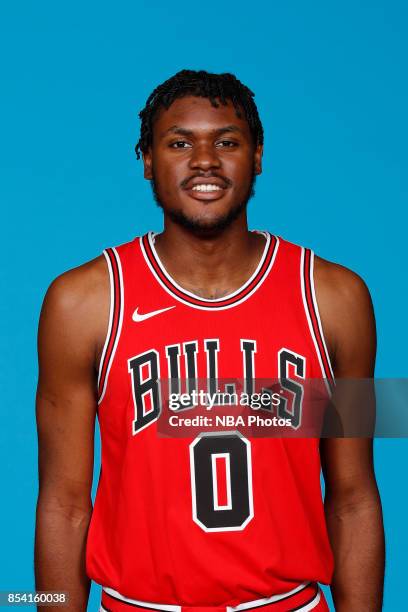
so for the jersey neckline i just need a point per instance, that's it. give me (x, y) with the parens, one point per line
(191, 299)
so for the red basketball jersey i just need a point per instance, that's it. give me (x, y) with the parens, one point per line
(159, 531)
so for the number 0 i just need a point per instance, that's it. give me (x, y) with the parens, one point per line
(208, 512)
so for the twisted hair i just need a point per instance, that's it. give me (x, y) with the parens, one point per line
(216, 87)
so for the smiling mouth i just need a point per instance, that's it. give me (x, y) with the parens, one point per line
(206, 191)
(205, 187)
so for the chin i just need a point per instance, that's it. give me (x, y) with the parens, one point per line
(205, 224)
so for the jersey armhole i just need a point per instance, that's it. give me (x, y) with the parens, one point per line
(313, 315)
(115, 320)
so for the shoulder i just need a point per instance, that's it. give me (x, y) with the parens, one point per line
(339, 284)
(346, 312)
(87, 282)
(76, 306)
(78, 287)
(334, 282)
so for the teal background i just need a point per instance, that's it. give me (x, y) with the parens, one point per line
(331, 87)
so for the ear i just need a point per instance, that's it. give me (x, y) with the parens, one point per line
(147, 164)
(258, 159)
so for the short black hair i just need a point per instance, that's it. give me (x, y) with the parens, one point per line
(215, 87)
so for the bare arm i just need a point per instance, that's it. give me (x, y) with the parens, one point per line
(352, 502)
(73, 318)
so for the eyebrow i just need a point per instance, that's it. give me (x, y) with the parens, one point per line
(184, 132)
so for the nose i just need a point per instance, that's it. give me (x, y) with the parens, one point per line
(204, 157)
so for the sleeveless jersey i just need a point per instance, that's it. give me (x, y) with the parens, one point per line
(159, 531)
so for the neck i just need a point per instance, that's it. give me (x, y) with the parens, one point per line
(210, 266)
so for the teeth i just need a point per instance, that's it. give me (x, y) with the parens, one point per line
(206, 187)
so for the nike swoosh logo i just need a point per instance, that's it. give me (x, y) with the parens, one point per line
(142, 317)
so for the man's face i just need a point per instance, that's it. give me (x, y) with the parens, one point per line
(202, 163)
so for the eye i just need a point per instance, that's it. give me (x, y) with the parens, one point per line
(179, 144)
(226, 144)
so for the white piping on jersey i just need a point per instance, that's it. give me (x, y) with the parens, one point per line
(142, 604)
(248, 605)
(120, 318)
(312, 604)
(152, 236)
(197, 297)
(267, 600)
(111, 309)
(316, 307)
(312, 332)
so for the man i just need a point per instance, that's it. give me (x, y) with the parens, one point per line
(206, 299)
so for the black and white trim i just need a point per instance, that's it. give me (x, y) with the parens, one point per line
(310, 605)
(313, 316)
(187, 297)
(115, 319)
(306, 606)
(259, 603)
(140, 604)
